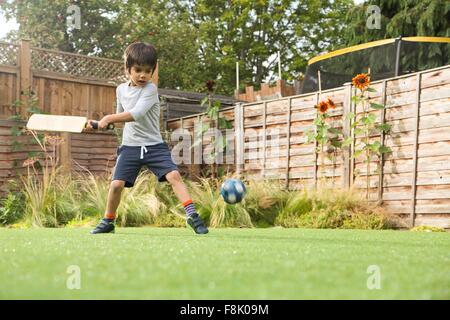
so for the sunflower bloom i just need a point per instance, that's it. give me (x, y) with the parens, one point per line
(331, 103)
(361, 81)
(322, 106)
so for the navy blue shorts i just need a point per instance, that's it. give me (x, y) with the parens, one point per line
(130, 160)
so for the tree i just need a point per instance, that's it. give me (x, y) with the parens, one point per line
(165, 24)
(197, 40)
(398, 18)
(252, 32)
(406, 19)
(45, 22)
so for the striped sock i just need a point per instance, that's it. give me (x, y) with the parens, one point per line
(189, 208)
(110, 216)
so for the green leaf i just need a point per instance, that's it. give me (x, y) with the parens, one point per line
(225, 142)
(334, 131)
(377, 106)
(370, 119)
(224, 123)
(204, 100)
(336, 143)
(217, 104)
(356, 99)
(358, 131)
(322, 140)
(384, 149)
(357, 153)
(15, 131)
(311, 136)
(347, 141)
(384, 127)
(212, 113)
(350, 115)
(375, 146)
(318, 121)
(371, 89)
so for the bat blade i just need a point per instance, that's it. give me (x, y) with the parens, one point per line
(47, 122)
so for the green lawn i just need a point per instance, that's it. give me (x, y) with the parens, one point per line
(162, 263)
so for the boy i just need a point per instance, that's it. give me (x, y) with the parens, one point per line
(142, 144)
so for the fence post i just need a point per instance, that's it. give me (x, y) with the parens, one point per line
(412, 216)
(347, 132)
(25, 76)
(316, 166)
(66, 152)
(238, 137)
(264, 139)
(288, 138)
(198, 149)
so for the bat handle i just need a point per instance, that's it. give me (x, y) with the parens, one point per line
(94, 125)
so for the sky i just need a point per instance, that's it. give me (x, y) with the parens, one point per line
(7, 26)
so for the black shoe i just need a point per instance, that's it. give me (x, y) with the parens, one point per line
(196, 223)
(105, 226)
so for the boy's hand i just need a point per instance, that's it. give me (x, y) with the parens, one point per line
(89, 125)
(103, 123)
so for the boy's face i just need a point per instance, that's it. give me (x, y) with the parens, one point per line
(140, 75)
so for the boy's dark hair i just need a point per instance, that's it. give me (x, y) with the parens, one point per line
(140, 53)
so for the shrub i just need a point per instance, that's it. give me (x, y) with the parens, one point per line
(215, 211)
(264, 201)
(12, 208)
(332, 209)
(427, 229)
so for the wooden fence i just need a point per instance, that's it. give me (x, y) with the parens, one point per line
(95, 152)
(414, 180)
(57, 83)
(65, 83)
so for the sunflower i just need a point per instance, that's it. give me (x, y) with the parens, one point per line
(322, 106)
(361, 81)
(331, 103)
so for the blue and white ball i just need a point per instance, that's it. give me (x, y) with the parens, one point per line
(232, 191)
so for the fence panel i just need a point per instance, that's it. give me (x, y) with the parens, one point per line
(412, 182)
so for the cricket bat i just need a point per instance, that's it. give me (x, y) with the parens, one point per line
(47, 122)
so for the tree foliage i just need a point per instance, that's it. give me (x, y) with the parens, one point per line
(197, 40)
(398, 18)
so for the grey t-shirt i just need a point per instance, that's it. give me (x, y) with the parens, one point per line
(143, 104)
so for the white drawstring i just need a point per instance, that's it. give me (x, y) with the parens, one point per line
(142, 151)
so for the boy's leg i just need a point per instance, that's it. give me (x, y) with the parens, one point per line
(180, 190)
(178, 186)
(115, 191)
(106, 225)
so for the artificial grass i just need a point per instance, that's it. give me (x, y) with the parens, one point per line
(174, 263)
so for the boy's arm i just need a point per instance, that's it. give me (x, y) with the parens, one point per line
(120, 115)
(143, 105)
(113, 118)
